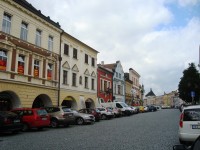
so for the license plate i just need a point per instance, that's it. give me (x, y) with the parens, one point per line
(44, 118)
(16, 121)
(195, 126)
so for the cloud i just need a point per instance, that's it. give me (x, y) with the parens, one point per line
(141, 34)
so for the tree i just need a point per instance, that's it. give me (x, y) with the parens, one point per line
(189, 85)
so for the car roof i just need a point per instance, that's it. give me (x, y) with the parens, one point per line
(192, 107)
(27, 108)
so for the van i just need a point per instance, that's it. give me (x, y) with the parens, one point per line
(124, 108)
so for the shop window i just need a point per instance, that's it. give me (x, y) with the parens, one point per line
(21, 64)
(36, 68)
(3, 60)
(49, 71)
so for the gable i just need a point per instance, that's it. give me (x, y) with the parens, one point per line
(93, 74)
(66, 65)
(75, 68)
(86, 72)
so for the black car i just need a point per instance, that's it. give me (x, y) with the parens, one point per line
(10, 122)
(152, 108)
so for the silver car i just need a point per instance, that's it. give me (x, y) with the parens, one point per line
(82, 118)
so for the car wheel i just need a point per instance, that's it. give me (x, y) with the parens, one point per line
(103, 117)
(79, 121)
(25, 127)
(54, 123)
(182, 142)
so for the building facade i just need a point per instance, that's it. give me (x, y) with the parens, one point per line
(118, 81)
(29, 56)
(78, 88)
(104, 84)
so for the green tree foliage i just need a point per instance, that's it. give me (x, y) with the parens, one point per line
(188, 83)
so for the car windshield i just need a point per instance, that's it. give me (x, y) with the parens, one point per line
(41, 112)
(191, 115)
(124, 105)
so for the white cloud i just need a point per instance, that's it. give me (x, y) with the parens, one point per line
(127, 31)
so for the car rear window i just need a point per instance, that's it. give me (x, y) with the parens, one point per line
(41, 112)
(66, 109)
(191, 115)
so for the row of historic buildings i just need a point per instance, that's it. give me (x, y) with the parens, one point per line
(42, 65)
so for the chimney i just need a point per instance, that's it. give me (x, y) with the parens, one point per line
(102, 62)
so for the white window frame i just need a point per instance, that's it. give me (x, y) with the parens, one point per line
(50, 43)
(24, 31)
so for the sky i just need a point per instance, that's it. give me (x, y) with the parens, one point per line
(157, 38)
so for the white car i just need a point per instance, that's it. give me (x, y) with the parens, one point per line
(106, 113)
(189, 125)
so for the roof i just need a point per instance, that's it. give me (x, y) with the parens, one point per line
(32, 9)
(151, 93)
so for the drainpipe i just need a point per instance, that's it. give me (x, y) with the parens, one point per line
(59, 72)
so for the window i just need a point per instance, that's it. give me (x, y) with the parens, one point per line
(118, 89)
(117, 74)
(64, 77)
(38, 37)
(86, 58)
(3, 60)
(105, 85)
(73, 79)
(92, 84)
(101, 86)
(24, 31)
(50, 43)
(21, 61)
(80, 80)
(36, 68)
(75, 53)
(86, 82)
(6, 25)
(49, 71)
(66, 49)
(93, 62)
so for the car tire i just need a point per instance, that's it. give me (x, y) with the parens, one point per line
(54, 123)
(182, 142)
(25, 127)
(79, 121)
(103, 117)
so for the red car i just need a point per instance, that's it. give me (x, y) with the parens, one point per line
(33, 117)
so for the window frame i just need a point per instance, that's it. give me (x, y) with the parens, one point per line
(65, 76)
(38, 37)
(66, 49)
(6, 23)
(24, 31)
(3, 59)
(50, 43)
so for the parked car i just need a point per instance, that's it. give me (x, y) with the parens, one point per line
(106, 113)
(9, 122)
(116, 111)
(95, 112)
(189, 125)
(152, 108)
(60, 116)
(83, 118)
(134, 110)
(33, 117)
(141, 108)
(146, 109)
